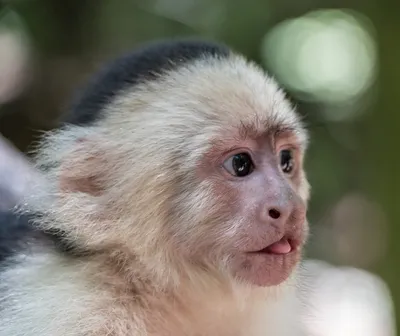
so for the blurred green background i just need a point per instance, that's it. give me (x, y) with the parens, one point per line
(337, 59)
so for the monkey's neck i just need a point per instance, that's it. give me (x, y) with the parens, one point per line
(199, 303)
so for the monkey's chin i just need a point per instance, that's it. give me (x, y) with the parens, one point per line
(267, 269)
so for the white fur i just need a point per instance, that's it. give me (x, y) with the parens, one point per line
(47, 295)
(137, 284)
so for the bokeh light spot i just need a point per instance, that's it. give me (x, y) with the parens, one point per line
(326, 55)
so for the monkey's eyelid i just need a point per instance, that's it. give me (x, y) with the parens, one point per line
(292, 146)
(297, 142)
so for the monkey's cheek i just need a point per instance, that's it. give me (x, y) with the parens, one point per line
(264, 269)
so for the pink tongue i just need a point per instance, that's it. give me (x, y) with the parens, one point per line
(280, 247)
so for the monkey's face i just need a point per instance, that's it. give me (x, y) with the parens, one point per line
(252, 223)
(203, 168)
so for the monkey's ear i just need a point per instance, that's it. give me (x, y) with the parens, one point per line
(83, 169)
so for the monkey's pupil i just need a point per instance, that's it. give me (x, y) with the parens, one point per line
(242, 164)
(286, 161)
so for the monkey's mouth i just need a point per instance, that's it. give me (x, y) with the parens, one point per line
(285, 245)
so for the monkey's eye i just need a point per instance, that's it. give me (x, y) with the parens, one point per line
(286, 161)
(239, 165)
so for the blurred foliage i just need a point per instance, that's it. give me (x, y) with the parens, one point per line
(338, 60)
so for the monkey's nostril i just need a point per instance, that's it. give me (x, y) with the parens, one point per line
(273, 213)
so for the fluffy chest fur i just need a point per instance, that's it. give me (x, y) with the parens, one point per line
(48, 295)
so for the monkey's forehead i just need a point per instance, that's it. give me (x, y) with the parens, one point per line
(192, 83)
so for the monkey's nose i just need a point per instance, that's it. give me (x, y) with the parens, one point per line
(274, 213)
(280, 215)
(277, 215)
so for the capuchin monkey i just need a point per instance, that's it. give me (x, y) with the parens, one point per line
(174, 204)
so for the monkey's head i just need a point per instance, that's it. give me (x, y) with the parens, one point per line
(188, 157)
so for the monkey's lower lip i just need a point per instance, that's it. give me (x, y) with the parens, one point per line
(283, 246)
(272, 264)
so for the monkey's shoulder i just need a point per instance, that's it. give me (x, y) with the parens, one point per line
(146, 63)
(44, 293)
